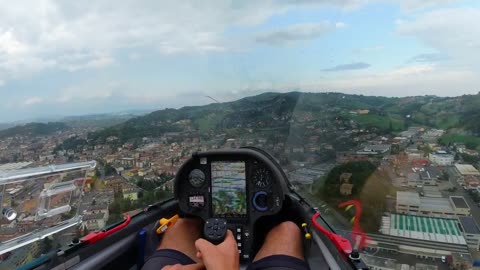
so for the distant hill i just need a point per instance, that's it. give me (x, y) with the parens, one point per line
(280, 110)
(99, 120)
(43, 127)
(6, 125)
(34, 129)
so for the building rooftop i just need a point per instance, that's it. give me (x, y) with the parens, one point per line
(432, 191)
(469, 225)
(14, 166)
(435, 204)
(467, 169)
(8, 230)
(382, 148)
(421, 266)
(93, 216)
(423, 228)
(408, 198)
(459, 202)
(441, 154)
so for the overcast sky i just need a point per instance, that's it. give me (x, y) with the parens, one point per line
(74, 57)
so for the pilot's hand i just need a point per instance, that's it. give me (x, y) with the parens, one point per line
(219, 257)
(196, 266)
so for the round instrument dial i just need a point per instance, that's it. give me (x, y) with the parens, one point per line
(262, 178)
(196, 178)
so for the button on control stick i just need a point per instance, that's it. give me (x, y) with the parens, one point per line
(215, 230)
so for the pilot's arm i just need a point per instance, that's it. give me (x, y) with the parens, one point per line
(219, 257)
(213, 257)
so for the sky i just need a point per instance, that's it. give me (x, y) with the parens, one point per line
(62, 58)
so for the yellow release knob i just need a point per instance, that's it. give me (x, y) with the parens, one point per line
(166, 223)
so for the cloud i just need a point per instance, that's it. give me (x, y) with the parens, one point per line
(410, 80)
(428, 58)
(89, 90)
(351, 66)
(100, 61)
(410, 5)
(79, 35)
(32, 101)
(345, 4)
(452, 31)
(46, 34)
(406, 5)
(297, 32)
(10, 45)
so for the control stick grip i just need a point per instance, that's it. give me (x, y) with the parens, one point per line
(215, 230)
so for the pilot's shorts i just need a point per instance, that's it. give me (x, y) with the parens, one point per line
(164, 257)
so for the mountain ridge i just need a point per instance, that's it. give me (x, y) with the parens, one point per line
(276, 110)
(270, 110)
(34, 129)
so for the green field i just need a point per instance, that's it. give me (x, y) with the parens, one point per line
(447, 121)
(210, 122)
(470, 141)
(380, 121)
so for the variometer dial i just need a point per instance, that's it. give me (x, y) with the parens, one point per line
(262, 178)
(196, 178)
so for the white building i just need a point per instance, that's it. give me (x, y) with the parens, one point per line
(467, 169)
(441, 158)
(94, 222)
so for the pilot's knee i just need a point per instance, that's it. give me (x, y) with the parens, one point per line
(287, 229)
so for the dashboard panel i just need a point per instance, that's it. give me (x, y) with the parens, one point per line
(238, 185)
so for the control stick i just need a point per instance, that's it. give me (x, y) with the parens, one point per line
(215, 230)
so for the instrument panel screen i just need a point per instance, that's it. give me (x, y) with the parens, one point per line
(229, 189)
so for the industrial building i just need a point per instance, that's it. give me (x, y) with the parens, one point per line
(465, 175)
(460, 205)
(471, 232)
(467, 169)
(423, 228)
(412, 203)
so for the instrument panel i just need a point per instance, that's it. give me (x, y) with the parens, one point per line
(239, 185)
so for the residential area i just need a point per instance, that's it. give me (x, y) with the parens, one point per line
(435, 186)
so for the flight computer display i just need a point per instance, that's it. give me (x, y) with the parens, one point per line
(228, 189)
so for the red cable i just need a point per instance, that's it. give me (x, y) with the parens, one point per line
(342, 244)
(357, 230)
(95, 236)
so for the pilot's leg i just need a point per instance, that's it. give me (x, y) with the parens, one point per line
(177, 246)
(282, 249)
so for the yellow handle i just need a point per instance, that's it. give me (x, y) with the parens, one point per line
(166, 223)
(308, 236)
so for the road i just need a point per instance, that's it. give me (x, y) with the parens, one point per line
(381, 257)
(396, 240)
